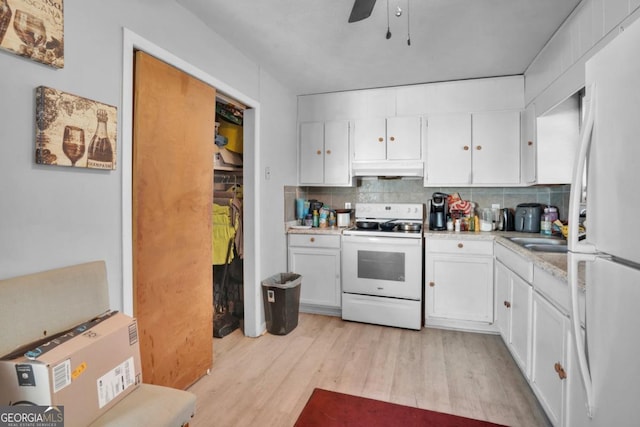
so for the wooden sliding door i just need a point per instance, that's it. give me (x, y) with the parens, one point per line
(173, 134)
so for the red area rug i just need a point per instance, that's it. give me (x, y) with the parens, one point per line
(331, 409)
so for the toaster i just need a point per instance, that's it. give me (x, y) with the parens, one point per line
(527, 218)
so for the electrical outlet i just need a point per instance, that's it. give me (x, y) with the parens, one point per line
(495, 206)
(347, 205)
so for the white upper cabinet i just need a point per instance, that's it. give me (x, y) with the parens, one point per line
(348, 105)
(311, 161)
(558, 135)
(336, 153)
(448, 153)
(324, 153)
(370, 139)
(389, 127)
(373, 103)
(393, 138)
(528, 146)
(496, 148)
(404, 138)
(492, 94)
(473, 149)
(326, 107)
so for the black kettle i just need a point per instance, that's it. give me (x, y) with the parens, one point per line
(507, 220)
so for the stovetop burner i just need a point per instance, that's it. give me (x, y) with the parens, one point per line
(393, 227)
(395, 219)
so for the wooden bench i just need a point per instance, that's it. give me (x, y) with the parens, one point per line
(41, 304)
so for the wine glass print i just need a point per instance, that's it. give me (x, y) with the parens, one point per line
(30, 29)
(73, 143)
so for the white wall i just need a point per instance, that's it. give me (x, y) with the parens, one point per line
(280, 156)
(56, 216)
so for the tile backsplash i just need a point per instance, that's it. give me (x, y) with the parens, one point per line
(407, 190)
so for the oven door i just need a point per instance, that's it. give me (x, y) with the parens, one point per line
(382, 266)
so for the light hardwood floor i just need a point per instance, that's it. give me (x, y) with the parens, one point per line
(266, 381)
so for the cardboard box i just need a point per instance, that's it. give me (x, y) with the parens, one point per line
(87, 369)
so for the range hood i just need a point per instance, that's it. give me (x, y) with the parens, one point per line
(388, 168)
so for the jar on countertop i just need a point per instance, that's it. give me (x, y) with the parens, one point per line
(332, 219)
(308, 220)
(545, 223)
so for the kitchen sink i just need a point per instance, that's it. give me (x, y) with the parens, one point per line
(546, 248)
(542, 244)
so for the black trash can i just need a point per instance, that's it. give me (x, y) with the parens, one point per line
(281, 297)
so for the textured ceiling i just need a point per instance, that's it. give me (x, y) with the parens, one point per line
(310, 47)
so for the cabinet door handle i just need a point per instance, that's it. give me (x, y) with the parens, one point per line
(319, 152)
(465, 148)
(432, 284)
(460, 245)
(530, 143)
(313, 239)
(328, 151)
(380, 139)
(479, 147)
(560, 370)
(507, 304)
(393, 138)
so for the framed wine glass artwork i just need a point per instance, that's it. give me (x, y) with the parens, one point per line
(33, 29)
(74, 131)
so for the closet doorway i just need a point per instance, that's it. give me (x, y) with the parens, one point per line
(227, 223)
(253, 319)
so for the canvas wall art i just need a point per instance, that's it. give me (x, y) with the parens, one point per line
(74, 131)
(33, 29)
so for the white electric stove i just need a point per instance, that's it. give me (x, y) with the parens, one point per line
(382, 273)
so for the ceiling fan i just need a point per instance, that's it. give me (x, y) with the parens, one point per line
(361, 10)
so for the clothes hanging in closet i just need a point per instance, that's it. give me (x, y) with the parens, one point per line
(222, 234)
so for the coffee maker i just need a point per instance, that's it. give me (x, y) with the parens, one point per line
(438, 208)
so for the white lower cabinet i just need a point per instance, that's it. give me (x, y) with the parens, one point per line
(531, 311)
(549, 363)
(459, 278)
(513, 312)
(317, 259)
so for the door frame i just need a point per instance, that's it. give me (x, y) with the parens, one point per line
(254, 323)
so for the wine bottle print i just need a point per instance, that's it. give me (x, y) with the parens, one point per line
(100, 154)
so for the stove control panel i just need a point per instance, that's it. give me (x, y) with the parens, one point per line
(405, 211)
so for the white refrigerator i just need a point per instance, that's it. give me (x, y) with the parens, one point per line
(608, 347)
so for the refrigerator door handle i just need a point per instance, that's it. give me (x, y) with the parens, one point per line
(578, 169)
(580, 251)
(576, 334)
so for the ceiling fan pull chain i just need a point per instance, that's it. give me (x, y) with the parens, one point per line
(388, 29)
(408, 23)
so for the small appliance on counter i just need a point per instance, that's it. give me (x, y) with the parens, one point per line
(343, 217)
(438, 211)
(507, 220)
(315, 205)
(527, 218)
